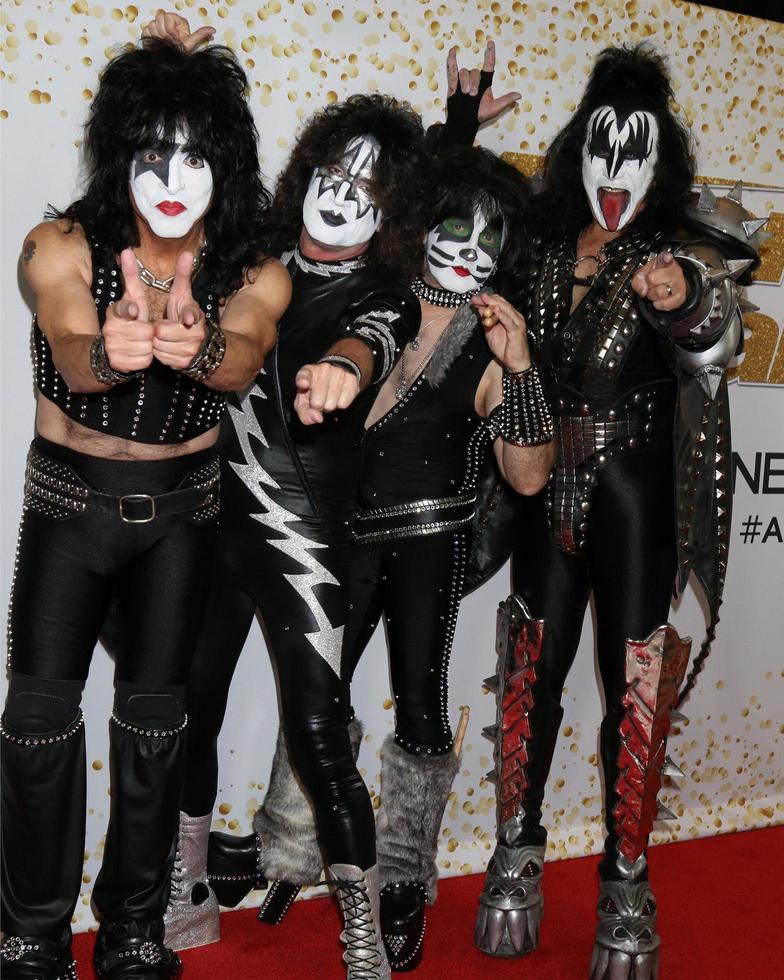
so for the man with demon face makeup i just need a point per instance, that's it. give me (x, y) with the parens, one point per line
(154, 298)
(634, 313)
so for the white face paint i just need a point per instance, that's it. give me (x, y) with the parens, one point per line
(619, 158)
(461, 252)
(339, 210)
(172, 189)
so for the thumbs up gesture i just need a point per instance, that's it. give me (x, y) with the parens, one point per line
(180, 337)
(127, 333)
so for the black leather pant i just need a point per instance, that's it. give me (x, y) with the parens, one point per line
(416, 584)
(302, 619)
(629, 566)
(70, 571)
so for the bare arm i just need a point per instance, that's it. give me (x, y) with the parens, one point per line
(58, 268)
(250, 322)
(525, 468)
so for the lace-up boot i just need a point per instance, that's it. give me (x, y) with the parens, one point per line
(192, 915)
(357, 892)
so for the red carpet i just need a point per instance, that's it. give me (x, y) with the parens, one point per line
(721, 902)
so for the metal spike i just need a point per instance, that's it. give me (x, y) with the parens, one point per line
(491, 732)
(738, 266)
(752, 227)
(677, 718)
(672, 770)
(715, 276)
(736, 194)
(663, 813)
(709, 378)
(491, 683)
(492, 777)
(707, 201)
(746, 306)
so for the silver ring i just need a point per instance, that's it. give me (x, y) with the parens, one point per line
(668, 287)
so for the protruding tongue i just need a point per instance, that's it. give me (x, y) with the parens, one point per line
(613, 204)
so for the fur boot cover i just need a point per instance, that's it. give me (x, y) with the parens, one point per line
(289, 848)
(414, 793)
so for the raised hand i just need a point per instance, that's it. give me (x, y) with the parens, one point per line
(478, 84)
(505, 331)
(180, 337)
(127, 332)
(661, 281)
(323, 388)
(172, 27)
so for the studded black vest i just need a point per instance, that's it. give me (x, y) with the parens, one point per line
(611, 387)
(160, 407)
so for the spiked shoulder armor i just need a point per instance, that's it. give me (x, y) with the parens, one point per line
(717, 251)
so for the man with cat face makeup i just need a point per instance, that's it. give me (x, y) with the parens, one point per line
(447, 401)
(633, 312)
(154, 298)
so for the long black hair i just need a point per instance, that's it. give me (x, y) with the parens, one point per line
(472, 178)
(398, 183)
(634, 77)
(145, 96)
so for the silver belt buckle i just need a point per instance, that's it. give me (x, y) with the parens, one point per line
(136, 498)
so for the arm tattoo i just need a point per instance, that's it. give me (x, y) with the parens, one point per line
(28, 251)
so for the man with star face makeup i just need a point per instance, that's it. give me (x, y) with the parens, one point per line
(633, 313)
(346, 222)
(154, 297)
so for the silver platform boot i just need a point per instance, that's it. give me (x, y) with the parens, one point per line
(626, 942)
(192, 915)
(512, 904)
(357, 892)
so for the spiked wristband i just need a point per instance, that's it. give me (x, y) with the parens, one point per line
(210, 357)
(102, 369)
(525, 418)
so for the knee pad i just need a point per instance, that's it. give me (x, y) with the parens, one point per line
(41, 705)
(150, 707)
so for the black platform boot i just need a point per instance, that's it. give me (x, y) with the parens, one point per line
(43, 807)
(131, 890)
(414, 792)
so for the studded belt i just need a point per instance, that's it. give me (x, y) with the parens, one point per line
(588, 440)
(52, 488)
(414, 519)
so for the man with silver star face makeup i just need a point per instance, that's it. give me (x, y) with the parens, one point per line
(347, 224)
(155, 296)
(634, 312)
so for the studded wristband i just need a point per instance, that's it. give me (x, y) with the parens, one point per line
(525, 418)
(102, 369)
(339, 360)
(210, 357)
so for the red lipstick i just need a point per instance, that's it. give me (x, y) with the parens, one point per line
(460, 270)
(171, 208)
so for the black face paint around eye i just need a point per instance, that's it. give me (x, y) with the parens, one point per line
(159, 167)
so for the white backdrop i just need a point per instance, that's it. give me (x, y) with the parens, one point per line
(298, 55)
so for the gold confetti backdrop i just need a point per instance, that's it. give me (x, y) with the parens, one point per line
(298, 55)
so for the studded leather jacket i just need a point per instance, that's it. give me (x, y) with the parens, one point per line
(620, 383)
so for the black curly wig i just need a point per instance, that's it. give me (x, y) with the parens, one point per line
(398, 183)
(144, 97)
(473, 178)
(634, 77)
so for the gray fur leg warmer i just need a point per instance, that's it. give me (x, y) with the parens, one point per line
(289, 848)
(414, 793)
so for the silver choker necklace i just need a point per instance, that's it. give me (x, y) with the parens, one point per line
(150, 279)
(440, 297)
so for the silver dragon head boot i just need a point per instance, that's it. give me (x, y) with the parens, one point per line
(512, 903)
